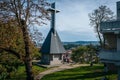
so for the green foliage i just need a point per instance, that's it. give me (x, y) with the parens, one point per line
(3, 72)
(8, 64)
(85, 54)
(36, 55)
(24, 13)
(81, 73)
(11, 38)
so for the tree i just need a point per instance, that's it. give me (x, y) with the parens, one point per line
(23, 13)
(11, 39)
(9, 64)
(78, 53)
(103, 13)
(85, 54)
(11, 44)
(11, 49)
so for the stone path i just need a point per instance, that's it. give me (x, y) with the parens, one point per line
(60, 68)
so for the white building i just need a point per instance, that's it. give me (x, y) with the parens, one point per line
(111, 31)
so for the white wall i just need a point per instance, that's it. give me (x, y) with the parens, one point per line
(56, 60)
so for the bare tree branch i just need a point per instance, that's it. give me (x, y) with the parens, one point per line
(97, 16)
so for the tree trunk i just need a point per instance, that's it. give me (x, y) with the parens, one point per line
(98, 33)
(99, 38)
(28, 60)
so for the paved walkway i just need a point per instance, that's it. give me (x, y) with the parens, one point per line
(60, 68)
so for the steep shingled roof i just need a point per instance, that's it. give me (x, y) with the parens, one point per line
(52, 44)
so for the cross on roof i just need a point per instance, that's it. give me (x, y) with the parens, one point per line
(52, 9)
(53, 13)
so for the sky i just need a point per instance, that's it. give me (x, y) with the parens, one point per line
(72, 22)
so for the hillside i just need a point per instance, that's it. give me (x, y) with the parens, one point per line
(82, 43)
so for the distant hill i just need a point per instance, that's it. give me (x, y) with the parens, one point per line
(82, 43)
(76, 43)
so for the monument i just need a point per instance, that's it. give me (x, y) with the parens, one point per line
(52, 49)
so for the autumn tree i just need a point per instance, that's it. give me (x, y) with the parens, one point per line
(12, 52)
(11, 39)
(103, 13)
(23, 13)
(11, 49)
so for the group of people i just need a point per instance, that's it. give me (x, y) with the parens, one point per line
(66, 59)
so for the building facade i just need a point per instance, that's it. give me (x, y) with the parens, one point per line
(110, 55)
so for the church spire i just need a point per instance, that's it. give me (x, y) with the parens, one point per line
(53, 14)
(52, 45)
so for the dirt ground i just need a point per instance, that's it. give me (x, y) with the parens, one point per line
(59, 68)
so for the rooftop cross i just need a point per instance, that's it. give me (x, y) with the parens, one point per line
(53, 12)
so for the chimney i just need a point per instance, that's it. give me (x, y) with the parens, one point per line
(118, 10)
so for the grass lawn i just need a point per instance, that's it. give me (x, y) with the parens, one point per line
(20, 74)
(81, 73)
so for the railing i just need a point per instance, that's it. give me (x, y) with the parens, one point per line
(110, 55)
(110, 25)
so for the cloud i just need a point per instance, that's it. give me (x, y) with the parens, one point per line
(72, 23)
